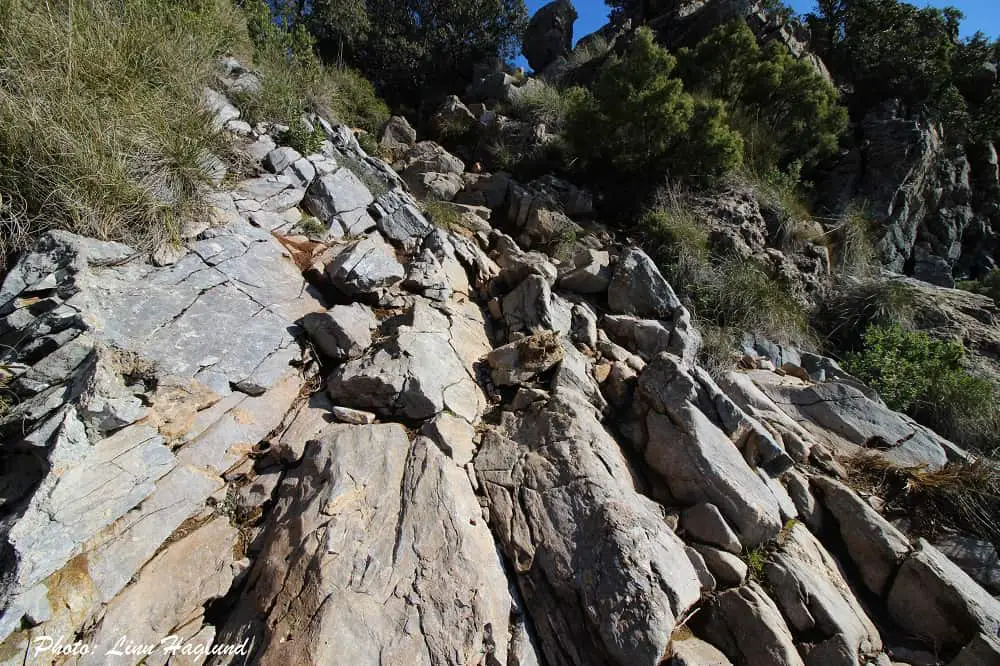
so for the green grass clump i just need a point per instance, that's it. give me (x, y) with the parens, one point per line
(860, 304)
(543, 103)
(100, 131)
(443, 214)
(743, 297)
(729, 295)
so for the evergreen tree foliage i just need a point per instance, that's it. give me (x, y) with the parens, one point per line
(638, 119)
(770, 87)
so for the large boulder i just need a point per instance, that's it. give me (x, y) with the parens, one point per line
(638, 288)
(685, 446)
(747, 626)
(340, 200)
(932, 598)
(378, 553)
(426, 367)
(365, 268)
(430, 170)
(549, 34)
(807, 585)
(873, 544)
(597, 564)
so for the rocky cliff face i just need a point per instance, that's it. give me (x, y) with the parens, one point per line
(381, 441)
(935, 203)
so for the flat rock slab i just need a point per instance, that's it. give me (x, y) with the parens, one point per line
(185, 317)
(378, 554)
(604, 577)
(846, 412)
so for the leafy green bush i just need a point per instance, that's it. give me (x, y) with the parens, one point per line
(100, 131)
(926, 378)
(769, 88)
(638, 119)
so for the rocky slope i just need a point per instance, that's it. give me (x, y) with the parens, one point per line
(389, 442)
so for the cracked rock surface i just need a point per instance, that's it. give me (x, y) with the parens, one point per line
(442, 449)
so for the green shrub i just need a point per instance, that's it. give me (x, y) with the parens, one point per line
(767, 88)
(100, 131)
(638, 119)
(543, 103)
(926, 378)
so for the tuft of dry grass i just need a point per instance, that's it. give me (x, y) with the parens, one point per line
(960, 496)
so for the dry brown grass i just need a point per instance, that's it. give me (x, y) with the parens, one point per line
(963, 496)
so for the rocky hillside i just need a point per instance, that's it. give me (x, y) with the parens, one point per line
(336, 425)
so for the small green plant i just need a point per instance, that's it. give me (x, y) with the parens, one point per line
(443, 214)
(743, 297)
(563, 246)
(310, 226)
(306, 140)
(368, 143)
(756, 559)
(904, 365)
(786, 530)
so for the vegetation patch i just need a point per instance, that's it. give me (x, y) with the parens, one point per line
(100, 128)
(927, 378)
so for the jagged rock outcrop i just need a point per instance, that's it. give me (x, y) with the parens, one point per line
(549, 34)
(921, 192)
(444, 448)
(599, 568)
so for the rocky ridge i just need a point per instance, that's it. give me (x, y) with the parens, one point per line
(389, 442)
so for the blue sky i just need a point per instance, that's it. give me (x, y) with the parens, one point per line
(979, 14)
